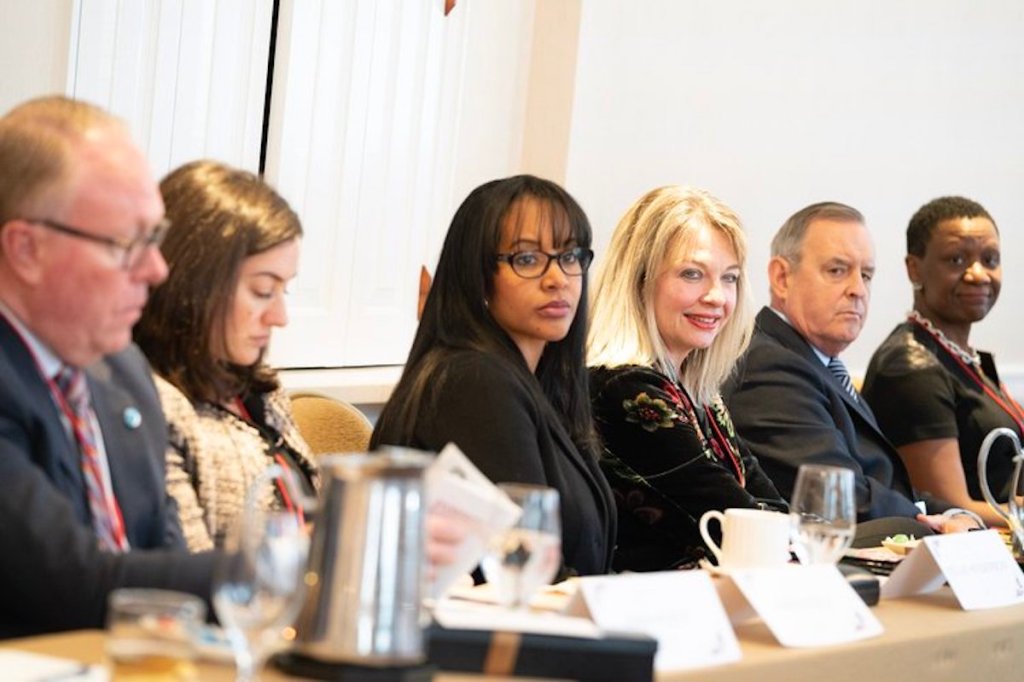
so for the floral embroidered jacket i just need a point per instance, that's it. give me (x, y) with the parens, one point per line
(668, 461)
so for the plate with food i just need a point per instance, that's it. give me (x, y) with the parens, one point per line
(900, 543)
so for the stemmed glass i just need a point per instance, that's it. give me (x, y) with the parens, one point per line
(824, 512)
(257, 589)
(526, 557)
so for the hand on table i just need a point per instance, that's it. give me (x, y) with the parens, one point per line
(948, 524)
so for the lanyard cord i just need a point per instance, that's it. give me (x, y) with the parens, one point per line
(286, 468)
(1012, 408)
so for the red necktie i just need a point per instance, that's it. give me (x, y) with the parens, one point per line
(106, 514)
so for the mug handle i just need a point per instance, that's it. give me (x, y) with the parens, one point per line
(708, 515)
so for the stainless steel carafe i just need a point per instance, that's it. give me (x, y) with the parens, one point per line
(364, 583)
(1014, 513)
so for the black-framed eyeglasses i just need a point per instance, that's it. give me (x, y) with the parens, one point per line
(533, 264)
(132, 250)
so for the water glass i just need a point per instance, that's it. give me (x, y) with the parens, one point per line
(824, 513)
(258, 588)
(151, 634)
(526, 557)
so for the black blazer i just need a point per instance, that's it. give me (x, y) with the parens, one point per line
(484, 406)
(53, 576)
(790, 410)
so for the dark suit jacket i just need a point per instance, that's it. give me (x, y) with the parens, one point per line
(53, 576)
(484, 406)
(790, 410)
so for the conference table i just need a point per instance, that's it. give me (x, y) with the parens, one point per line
(926, 638)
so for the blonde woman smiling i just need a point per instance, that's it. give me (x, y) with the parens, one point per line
(671, 315)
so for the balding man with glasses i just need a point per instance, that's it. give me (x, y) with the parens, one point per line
(82, 438)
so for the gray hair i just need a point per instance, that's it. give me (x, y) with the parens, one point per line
(789, 240)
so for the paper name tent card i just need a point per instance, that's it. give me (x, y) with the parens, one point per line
(978, 567)
(678, 608)
(807, 606)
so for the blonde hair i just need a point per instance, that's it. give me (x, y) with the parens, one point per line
(623, 328)
(37, 143)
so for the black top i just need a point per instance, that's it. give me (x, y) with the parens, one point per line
(483, 404)
(668, 462)
(920, 392)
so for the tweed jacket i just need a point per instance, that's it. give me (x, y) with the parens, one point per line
(214, 456)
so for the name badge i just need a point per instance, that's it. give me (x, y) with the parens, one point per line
(978, 567)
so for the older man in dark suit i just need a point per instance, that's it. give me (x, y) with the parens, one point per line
(82, 438)
(791, 397)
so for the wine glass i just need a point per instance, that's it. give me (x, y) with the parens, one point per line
(526, 557)
(257, 588)
(824, 514)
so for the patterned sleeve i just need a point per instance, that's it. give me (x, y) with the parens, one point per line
(643, 420)
(182, 481)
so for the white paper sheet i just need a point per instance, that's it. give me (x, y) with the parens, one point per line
(22, 666)
(455, 486)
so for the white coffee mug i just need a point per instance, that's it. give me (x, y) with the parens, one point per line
(750, 537)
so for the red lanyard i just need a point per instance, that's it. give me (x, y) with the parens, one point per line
(286, 468)
(1009, 406)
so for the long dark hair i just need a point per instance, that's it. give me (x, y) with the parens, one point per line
(455, 316)
(220, 216)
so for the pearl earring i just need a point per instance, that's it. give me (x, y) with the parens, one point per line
(917, 286)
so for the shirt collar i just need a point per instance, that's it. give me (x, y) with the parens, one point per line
(49, 363)
(821, 356)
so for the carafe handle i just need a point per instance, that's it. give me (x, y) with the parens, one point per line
(1012, 514)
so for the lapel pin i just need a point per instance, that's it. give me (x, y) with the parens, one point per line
(132, 418)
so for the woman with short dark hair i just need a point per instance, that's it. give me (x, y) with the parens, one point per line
(935, 396)
(497, 362)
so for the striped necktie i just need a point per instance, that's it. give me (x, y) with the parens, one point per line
(106, 514)
(838, 369)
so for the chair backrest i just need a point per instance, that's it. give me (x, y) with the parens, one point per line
(330, 425)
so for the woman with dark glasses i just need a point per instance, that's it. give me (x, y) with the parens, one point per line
(497, 362)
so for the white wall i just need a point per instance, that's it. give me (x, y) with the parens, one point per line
(881, 104)
(34, 36)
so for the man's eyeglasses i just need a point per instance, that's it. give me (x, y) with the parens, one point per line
(132, 250)
(533, 264)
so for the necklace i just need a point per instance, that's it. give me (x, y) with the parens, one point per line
(970, 363)
(971, 357)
